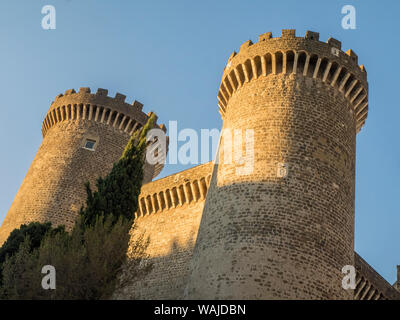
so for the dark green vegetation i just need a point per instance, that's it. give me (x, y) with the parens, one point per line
(88, 260)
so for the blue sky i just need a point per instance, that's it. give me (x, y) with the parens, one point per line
(170, 55)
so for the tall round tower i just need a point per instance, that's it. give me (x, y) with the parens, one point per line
(83, 135)
(284, 229)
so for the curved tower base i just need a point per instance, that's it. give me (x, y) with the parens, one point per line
(284, 229)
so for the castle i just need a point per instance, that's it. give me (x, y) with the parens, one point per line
(283, 231)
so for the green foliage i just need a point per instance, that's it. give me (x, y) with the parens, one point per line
(87, 263)
(36, 232)
(89, 260)
(117, 194)
(18, 272)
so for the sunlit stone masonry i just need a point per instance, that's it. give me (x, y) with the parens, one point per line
(283, 230)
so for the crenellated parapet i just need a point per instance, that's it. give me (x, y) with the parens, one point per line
(99, 107)
(177, 190)
(370, 285)
(303, 57)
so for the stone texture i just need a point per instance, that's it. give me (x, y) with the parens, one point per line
(282, 232)
(171, 226)
(267, 237)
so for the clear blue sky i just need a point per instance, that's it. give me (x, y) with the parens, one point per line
(170, 56)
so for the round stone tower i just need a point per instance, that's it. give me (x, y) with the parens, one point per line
(83, 135)
(283, 229)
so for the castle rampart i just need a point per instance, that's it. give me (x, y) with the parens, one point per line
(176, 190)
(370, 285)
(172, 231)
(169, 216)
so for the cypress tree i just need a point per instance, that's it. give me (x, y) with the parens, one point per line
(117, 194)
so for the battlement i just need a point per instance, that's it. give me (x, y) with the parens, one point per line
(370, 285)
(101, 93)
(176, 190)
(99, 107)
(302, 56)
(290, 34)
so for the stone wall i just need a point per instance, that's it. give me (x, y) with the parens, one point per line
(172, 230)
(264, 235)
(370, 285)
